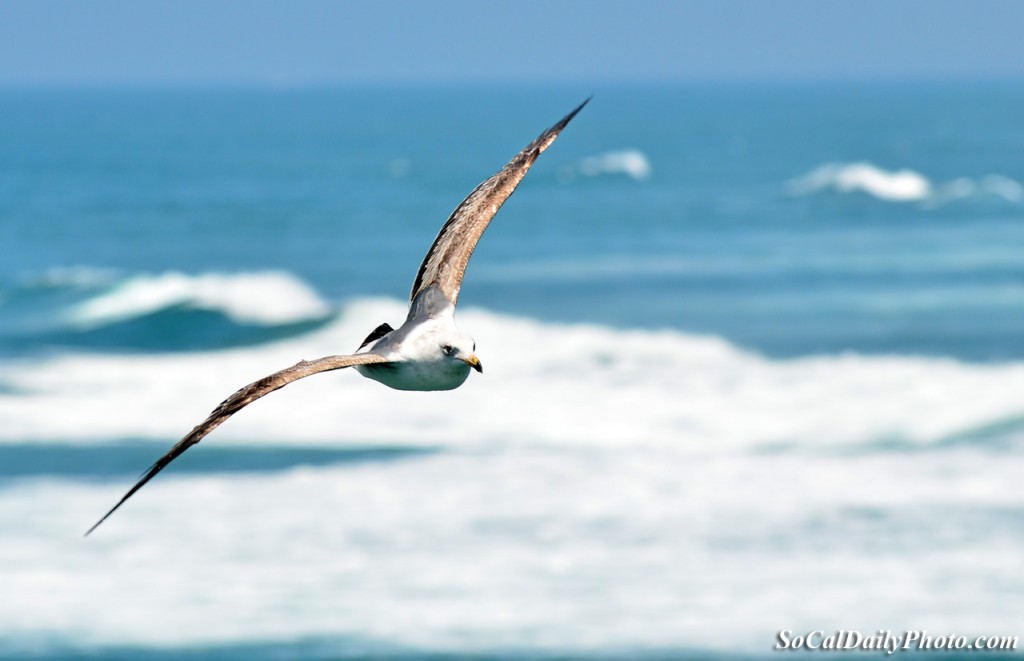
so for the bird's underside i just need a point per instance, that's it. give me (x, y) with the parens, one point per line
(427, 352)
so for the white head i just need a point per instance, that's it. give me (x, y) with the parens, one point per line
(439, 342)
(455, 346)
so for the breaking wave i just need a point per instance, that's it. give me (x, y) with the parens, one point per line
(544, 383)
(902, 185)
(631, 163)
(585, 466)
(265, 298)
(97, 308)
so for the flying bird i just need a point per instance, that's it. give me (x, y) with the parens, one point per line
(427, 352)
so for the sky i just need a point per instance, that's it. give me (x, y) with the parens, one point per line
(314, 42)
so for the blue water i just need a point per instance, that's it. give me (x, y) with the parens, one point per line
(754, 356)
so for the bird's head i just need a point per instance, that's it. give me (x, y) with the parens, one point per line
(459, 347)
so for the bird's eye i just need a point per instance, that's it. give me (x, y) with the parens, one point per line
(447, 349)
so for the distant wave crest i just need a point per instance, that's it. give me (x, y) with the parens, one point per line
(262, 298)
(631, 163)
(105, 309)
(902, 185)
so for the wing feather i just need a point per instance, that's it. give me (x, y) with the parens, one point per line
(445, 262)
(237, 402)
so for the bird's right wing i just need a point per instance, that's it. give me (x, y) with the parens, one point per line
(445, 262)
(237, 402)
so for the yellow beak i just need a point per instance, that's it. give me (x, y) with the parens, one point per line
(474, 362)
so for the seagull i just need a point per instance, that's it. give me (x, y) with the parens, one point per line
(427, 352)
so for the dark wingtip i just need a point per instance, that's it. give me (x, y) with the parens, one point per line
(568, 118)
(146, 477)
(113, 509)
(544, 140)
(97, 524)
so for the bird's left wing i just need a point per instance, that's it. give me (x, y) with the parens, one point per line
(237, 402)
(445, 262)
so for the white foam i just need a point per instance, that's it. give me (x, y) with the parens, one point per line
(902, 185)
(585, 549)
(598, 490)
(630, 162)
(898, 185)
(543, 383)
(271, 297)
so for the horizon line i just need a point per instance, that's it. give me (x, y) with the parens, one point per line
(286, 85)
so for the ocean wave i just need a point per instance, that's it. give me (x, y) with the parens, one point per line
(902, 185)
(631, 163)
(106, 309)
(267, 298)
(544, 383)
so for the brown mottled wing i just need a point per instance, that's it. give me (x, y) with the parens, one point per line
(237, 402)
(446, 261)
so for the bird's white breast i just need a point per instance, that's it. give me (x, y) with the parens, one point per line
(418, 375)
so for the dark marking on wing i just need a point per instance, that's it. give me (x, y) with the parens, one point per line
(237, 402)
(376, 334)
(445, 262)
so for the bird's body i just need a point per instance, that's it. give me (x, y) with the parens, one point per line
(423, 354)
(427, 352)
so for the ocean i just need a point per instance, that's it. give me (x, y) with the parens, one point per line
(753, 362)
